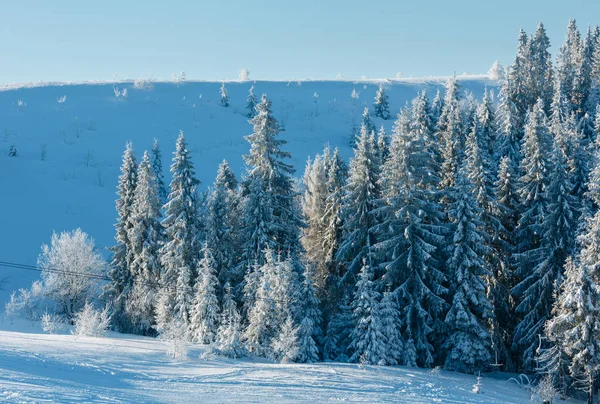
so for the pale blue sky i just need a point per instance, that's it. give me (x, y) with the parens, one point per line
(275, 39)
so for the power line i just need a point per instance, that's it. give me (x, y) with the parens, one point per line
(14, 265)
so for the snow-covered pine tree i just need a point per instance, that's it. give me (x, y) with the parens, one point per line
(181, 251)
(540, 83)
(224, 96)
(436, 107)
(157, 170)
(251, 102)
(361, 193)
(368, 343)
(284, 347)
(229, 335)
(507, 206)
(408, 235)
(309, 329)
(582, 83)
(450, 135)
(314, 205)
(337, 175)
(568, 59)
(381, 105)
(383, 145)
(536, 168)
(488, 131)
(422, 126)
(467, 347)
(518, 80)
(205, 311)
(219, 232)
(119, 287)
(509, 132)
(367, 122)
(337, 336)
(537, 285)
(146, 237)
(271, 216)
(390, 329)
(262, 313)
(575, 324)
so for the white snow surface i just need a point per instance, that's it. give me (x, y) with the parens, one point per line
(39, 368)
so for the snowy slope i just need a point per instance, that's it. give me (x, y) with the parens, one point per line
(84, 138)
(126, 369)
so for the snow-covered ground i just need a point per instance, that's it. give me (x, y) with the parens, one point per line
(39, 368)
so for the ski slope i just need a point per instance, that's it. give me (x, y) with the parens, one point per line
(42, 368)
(83, 139)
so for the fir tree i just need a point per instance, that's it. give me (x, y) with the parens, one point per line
(567, 61)
(157, 170)
(309, 326)
(450, 135)
(367, 344)
(146, 237)
(180, 253)
(390, 329)
(120, 273)
(229, 334)
(382, 109)
(367, 122)
(251, 103)
(271, 216)
(540, 82)
(205, 312)
(509, 132)
(219, 231)
(577, 315)
(362, 192)
(468, 344)
(284, 347)
(224, 96)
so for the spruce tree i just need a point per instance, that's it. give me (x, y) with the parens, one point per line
(157, 169)
(450, 135)
(146, 237)
(314, 205)
(180, 253)
(205, 311)
(367, 344)
(271, 216)
(251, 102)
(219, 231)
(224, 96)
(120, 274)
(509, 131)
(381, 106)
(540, 82)
(361, 194)
(309, 329)
(229, 335)
(284, 347)
(367, 122)
(568, 59)
(390, 329)
(468, 344)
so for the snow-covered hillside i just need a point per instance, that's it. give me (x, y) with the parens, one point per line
(126, 369)
(69, 152)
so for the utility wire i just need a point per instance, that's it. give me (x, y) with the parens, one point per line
(14, 265)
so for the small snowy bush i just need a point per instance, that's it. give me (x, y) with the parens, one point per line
(90, 322)
(176, 335)
(26, 303)
(62, 100)
(496, 72)
(144, 83)
(244, 75)
(51, 323)
(545, 389)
